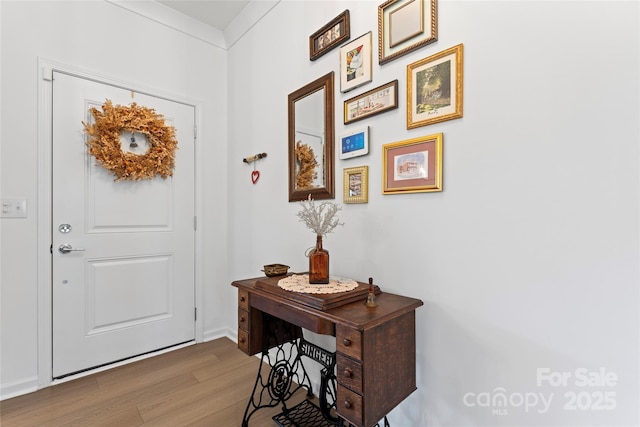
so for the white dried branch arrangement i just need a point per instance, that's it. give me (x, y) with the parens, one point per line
(320, 218)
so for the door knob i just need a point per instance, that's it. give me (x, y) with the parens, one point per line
(65, 248)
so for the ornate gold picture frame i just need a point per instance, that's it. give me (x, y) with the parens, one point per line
(413, 165)
(404, 26)
(434, 88)
(356, 185)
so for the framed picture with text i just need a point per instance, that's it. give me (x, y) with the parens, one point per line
(412, 166)
(375, 101)
(355, 63)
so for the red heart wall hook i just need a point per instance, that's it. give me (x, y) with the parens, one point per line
(255, 175)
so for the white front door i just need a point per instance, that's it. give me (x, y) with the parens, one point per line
(127, 285)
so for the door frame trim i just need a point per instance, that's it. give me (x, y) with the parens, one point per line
(46, 67)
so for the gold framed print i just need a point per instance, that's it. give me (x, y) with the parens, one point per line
(413, 165)
(356, 185)
(434, 88)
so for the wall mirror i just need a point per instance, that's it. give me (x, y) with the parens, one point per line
(311, 115)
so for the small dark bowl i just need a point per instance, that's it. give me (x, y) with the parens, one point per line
(271, 270)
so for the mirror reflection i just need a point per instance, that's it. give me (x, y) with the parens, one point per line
(309, 149)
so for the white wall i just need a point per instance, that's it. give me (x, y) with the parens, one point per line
(529, 257)
(104, 39)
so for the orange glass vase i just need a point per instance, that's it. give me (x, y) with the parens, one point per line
(319, 263)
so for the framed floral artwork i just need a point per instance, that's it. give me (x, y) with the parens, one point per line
(434, 88)
(355, 63)
(413, 165)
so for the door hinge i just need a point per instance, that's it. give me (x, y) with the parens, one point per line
(195, 313)
(195, 222)
(195, 132)
(51, 249)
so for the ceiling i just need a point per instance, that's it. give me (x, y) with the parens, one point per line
(215, 13)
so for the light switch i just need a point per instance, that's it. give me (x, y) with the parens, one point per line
(14, 208)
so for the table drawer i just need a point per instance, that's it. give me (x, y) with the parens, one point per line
(349, 373)
(243, 299)
(349, 341)
(349, 405)
(243, 340)
(243, 320)
(293, 315)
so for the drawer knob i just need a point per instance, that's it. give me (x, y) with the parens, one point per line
(347, 404)
(241, 340)
(242, 299)
(346, 342)
(242, 318)
(348, 373)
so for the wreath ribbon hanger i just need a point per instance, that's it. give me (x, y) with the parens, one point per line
(133, 143)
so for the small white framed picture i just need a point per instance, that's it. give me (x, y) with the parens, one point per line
(355, 63)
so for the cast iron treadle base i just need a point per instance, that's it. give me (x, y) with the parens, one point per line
(286, 374)
(304, 414)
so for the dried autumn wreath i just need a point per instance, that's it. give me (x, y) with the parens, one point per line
(104, 141)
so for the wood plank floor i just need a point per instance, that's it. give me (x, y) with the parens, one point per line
(206, 384)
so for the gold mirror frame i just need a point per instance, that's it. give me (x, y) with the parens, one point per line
(323, 164)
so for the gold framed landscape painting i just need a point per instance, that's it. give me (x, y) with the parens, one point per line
(434, 88)
(404, 26)
(356, 185)
(413, 165)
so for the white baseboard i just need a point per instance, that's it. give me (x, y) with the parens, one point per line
(220, 333)
(18, 388)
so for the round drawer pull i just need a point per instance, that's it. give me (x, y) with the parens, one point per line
(346, 342)
(347, 404)
(348, 373)
(242, 318)
(242, 299)
(241, 340)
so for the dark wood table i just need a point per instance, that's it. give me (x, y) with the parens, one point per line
(375, 363)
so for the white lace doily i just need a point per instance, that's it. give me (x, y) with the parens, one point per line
(300, 283)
